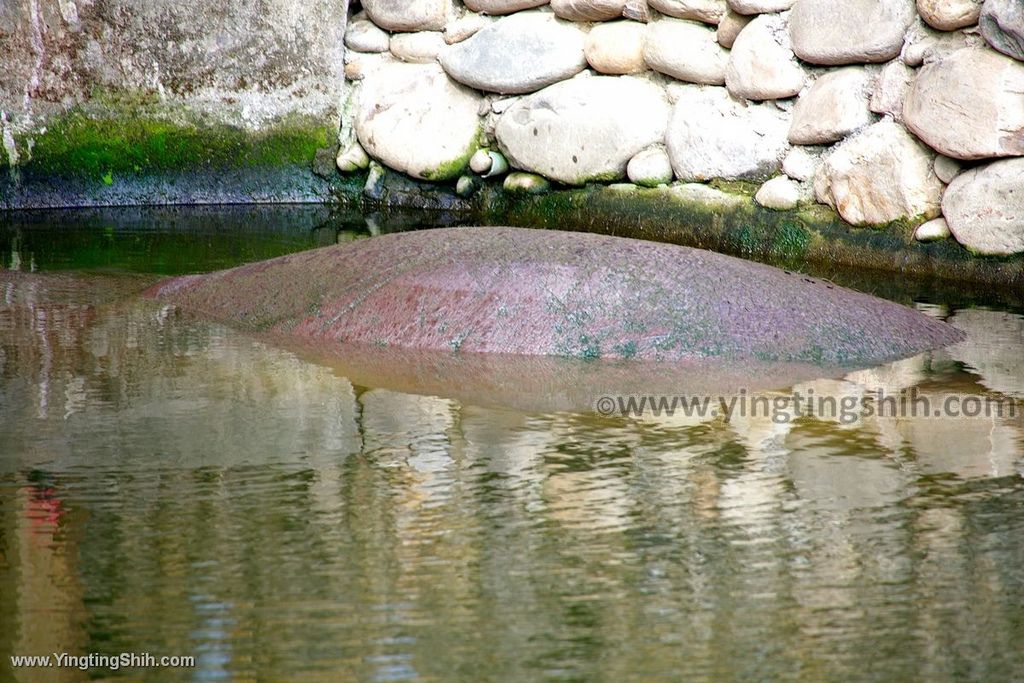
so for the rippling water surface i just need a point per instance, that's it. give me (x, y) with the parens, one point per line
(175, 487)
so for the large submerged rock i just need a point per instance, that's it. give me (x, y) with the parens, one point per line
(531, 292)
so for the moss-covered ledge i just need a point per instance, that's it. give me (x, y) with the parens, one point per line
(721, 216)
(732, 222)
(132, 152)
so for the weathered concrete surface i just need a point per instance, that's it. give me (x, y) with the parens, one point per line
(185, 75)
(527, 292)
(229, 58)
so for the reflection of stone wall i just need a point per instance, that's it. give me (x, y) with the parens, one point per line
(186, 490)
(880, 109)
(71, 357)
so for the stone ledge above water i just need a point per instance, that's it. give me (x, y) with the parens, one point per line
(132, 153)
(720, 216)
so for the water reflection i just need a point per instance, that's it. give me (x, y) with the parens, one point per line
(173, 487)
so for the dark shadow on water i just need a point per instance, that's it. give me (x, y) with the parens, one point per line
(174, 240)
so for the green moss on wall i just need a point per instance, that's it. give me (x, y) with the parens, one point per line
(746, 188)
(77, 144)
(792, 240)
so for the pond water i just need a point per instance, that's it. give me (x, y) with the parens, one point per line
(174, 487)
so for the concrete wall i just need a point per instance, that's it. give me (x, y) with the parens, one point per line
(76, 72)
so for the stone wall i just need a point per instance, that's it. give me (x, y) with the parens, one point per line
(885, 110)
